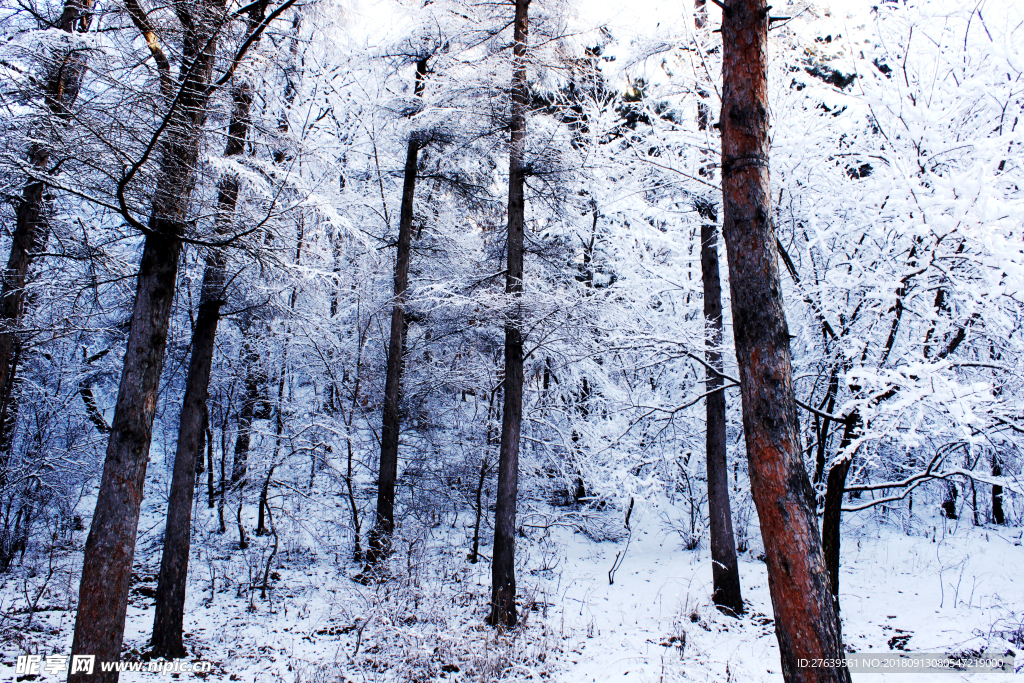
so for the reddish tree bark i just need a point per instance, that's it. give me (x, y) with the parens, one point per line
(379, 541)
(725, 569)
(503, 572)
(806, 622)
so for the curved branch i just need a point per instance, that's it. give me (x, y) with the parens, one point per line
(913, 481)
(163, 65)
(254, 36)
(95, 414)
(921, 478)
(808, 408)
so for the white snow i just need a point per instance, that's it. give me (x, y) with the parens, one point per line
(940, 589)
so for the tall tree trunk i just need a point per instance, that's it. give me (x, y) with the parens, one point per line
(201, 448)
(725, 569)
(170, 594)
(223, 488)
(807, 625)
(30, 234)
(110, 547)
(379, 541)
(503, 570)
(997, 493)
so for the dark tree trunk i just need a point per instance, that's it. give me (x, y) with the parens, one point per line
(835, 487)
(243, 539)
(110, 547)
(379, 542)
(246, 414)
(807, 625)
(211, 489)
(997, 493)
(974, 503)
(725, 568)
(243, 439)
(261, 529)
(8, 410)
(829, 405)
(170, 595)
(30, 234)
(201, 448)
(357, 550)
(474, 555)
(223, 488)
(949, 503)
(503, 575)
(830, 522)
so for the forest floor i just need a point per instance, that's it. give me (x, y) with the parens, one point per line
(952, 589)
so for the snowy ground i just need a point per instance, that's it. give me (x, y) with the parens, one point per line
(954, 590)
(951, 595)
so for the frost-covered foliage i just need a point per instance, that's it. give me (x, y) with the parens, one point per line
(899, 211)
(897, 161)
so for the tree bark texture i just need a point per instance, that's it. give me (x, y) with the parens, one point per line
(379, 542)
(30, 234)
(110, 547)
(170, 595)
(725, 567)
(807, 625)
(503, 576)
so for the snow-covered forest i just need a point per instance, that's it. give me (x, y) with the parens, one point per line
(405, 340)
